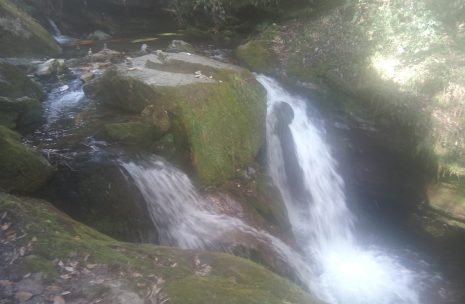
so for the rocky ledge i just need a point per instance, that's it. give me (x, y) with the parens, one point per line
(46, 256)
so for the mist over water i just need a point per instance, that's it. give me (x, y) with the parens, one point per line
(345, 272)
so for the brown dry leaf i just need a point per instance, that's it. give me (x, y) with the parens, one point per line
(69, 269)
(59, 300)
(23, 296)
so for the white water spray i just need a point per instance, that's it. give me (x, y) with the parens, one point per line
(184, 218)
(59, 37)
(322, 224)
(63, 101)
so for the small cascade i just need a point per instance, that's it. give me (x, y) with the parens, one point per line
(345, 272)
(184, 218)
(59, 37)
(63, 101)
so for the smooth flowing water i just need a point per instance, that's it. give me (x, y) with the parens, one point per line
(346, 272)
(59, 37)
(186, 219)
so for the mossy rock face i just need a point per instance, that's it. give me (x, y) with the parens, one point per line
(14, 83)
(258, 56)
(218, 108)
(21, 35)
(22, 113)
(20, 168)
(448, 199)
(132, 133)
(55, 244)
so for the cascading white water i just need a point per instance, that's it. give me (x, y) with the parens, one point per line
(59, 37)
(322, 224)
(184, 218)
(63, 101)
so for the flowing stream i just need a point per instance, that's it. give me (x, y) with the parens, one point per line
(186, 219)
(322, 223)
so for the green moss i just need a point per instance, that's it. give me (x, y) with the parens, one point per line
(224, 124)
(34, 264)
(14, 83)
(232, 279)
(22, 35)
(257, 55)
(20, 168)
(217, 124)
(132, 133)
(22, 114)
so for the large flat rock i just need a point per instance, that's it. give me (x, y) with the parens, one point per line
(218, 109)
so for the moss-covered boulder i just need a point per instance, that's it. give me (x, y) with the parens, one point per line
(258, 56)
(14, 83)
(83, 266)
(21, 114)
(218, 108)
(132, 133)
(20, 168)
(21, 35)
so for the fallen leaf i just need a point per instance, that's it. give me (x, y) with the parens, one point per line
(58, 300)
(23, 296)
(91, 266)
(69, 269)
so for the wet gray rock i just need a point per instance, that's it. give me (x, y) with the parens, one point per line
(179, 46)
(99, 35)
(51, 67)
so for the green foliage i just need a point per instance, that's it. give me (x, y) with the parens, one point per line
(215, 11)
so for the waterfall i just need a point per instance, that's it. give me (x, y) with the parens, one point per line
(321, 221)
(59, 37)
(185, 218)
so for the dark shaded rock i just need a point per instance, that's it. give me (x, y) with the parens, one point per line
(14, 83)
(20, 168)
(21, 35)
(22, 113)
(99, 194)
(294, 172)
